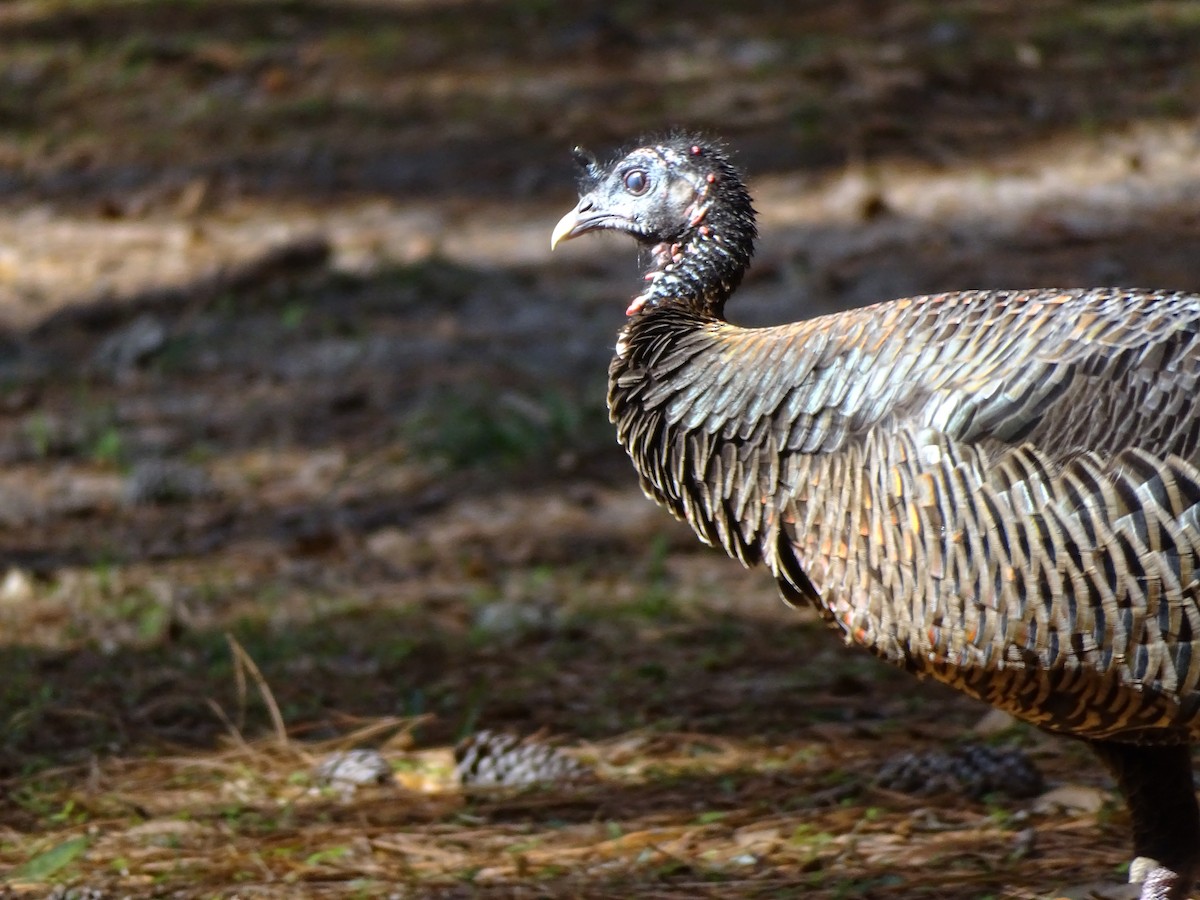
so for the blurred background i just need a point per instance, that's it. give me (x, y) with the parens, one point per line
(288, 374)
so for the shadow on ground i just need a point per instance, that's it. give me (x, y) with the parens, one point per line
(126, 105)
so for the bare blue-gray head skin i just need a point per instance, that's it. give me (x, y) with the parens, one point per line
(681, 197)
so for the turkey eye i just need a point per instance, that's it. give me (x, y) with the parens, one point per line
(636, 181)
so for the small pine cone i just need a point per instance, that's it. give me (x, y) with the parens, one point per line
(491, 759)
(973, 770)
(353, 767)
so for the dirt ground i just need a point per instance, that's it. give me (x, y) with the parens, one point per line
(305, 450)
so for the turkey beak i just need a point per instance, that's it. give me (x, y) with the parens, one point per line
(575, 223)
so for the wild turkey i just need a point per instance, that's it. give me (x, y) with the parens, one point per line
(996, 489)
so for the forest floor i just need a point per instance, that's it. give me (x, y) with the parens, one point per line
(304, 446)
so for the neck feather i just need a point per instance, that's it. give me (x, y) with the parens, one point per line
(700, 273)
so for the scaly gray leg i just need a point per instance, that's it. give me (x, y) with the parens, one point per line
(1156, 782)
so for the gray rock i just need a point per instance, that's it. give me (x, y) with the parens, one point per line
(130, 347)
(162, 481)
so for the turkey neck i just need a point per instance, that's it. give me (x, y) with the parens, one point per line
(699, 272)
(687, 285)
(677, 317)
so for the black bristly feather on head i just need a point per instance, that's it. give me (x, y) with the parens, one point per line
(590, 168)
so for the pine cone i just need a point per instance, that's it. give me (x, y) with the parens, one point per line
(491, 759)
(974, 770)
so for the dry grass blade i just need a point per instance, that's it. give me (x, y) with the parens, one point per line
(233, 731)
(398, 728)
(246, 663)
